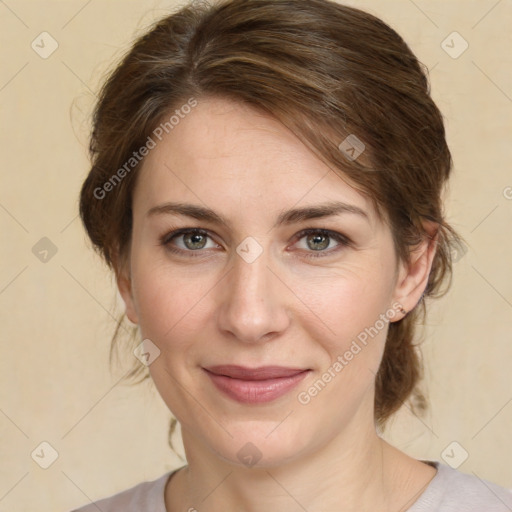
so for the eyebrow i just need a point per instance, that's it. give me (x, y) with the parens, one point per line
(288, 217)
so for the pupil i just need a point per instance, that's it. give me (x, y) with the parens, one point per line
(317, 239)
(195, 239)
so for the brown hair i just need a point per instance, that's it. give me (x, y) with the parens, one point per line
(325, 71)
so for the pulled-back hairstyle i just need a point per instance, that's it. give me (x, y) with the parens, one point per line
(325, 71)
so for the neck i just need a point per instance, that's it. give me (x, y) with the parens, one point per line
(355, 471)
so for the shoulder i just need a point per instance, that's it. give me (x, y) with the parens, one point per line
(453, 491)
(145, 496)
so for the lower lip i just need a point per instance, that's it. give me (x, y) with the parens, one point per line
(256, 391)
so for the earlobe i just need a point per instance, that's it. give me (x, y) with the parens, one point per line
(413, 277)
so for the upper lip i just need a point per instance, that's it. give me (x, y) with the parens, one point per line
(260, 373)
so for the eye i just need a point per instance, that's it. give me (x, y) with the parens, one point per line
(187, 240)
(318, 240)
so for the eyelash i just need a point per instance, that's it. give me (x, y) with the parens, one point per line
(166, 239)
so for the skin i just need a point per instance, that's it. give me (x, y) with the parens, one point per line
(281, 309)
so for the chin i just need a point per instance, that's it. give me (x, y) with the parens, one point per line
(262, 444)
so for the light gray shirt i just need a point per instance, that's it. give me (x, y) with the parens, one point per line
(449, 491)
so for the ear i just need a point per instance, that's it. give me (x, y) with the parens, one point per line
(124, 285)
(413, 276)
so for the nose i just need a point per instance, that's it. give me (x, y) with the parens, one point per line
(254, 301)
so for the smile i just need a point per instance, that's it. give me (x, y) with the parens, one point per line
(257, 385)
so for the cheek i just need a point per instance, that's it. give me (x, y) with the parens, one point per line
(171, 310)
(347, 304)
(351, 305)
(351, 352)
(169, 302)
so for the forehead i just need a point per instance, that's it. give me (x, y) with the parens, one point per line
(229, 156)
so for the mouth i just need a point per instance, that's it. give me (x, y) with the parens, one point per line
(255, 385)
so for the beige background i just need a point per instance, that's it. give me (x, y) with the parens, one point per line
(57, 316)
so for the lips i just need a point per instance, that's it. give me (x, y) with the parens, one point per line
(261, 373)
(255, 385)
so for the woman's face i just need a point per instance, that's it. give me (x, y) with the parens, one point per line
(256, 290)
